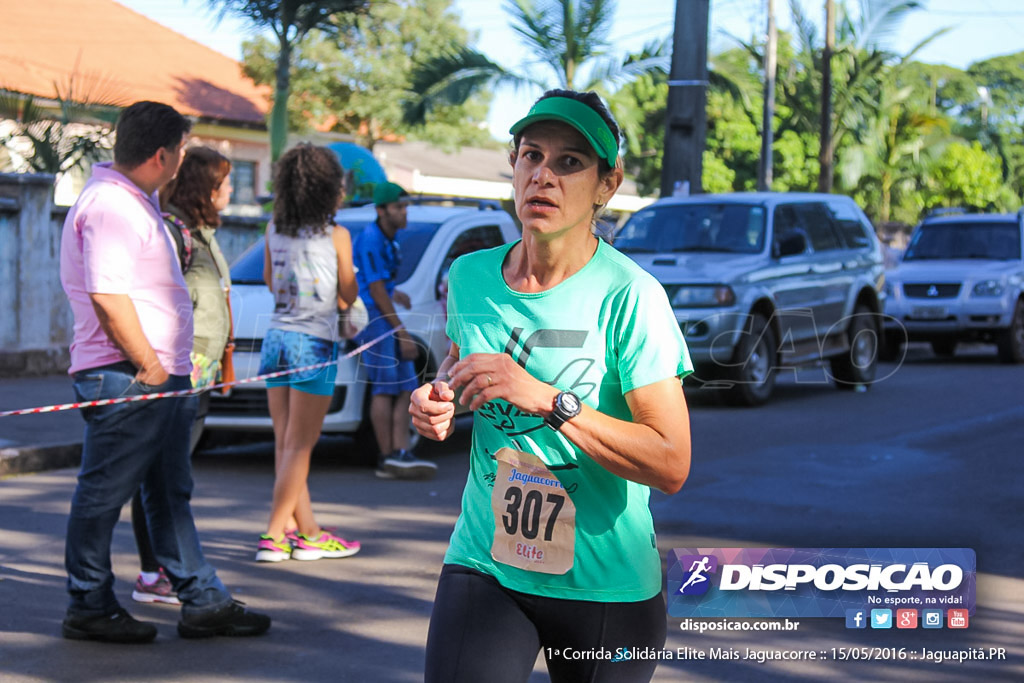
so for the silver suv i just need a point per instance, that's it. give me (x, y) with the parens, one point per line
(961, 279)
(763, 281)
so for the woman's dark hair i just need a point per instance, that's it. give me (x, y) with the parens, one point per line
(592, 100)
(143, 129)
(307, 189)
(191, 192)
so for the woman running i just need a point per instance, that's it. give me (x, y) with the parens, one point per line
(572, 359)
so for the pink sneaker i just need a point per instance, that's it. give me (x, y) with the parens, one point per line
(273, 550)
(325, 545)
(158, 591)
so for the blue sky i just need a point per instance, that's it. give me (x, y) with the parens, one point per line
(978, 29)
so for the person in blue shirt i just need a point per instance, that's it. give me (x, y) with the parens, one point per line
(389, 362)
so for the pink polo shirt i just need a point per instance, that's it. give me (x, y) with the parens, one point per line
(115, 242)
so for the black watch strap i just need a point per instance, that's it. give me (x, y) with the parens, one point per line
(567, 406)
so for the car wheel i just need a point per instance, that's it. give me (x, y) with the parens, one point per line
(944, 348)
(857, 366)
(753, 372)
(1011, 340)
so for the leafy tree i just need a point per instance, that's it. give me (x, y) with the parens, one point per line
(567, 38)
(289, 21)
(354, 80)
(74, 133)
(967, 176)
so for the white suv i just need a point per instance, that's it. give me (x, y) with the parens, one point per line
(434, 238)
(961, 279)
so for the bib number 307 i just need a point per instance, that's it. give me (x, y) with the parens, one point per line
(534, 518)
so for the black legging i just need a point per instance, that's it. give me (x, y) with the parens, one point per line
(147, 559)
(481, 631)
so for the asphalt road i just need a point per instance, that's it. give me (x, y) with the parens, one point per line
(929, 457)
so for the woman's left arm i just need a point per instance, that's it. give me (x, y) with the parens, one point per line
(653, 449)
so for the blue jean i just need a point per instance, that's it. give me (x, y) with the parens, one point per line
(129, 445)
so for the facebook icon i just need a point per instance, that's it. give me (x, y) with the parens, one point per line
(856, 618)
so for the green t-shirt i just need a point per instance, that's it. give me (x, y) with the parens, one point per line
(606, 330)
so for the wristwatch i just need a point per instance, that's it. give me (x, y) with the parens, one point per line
(567, 406)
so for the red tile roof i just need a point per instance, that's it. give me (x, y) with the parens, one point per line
(123, 55)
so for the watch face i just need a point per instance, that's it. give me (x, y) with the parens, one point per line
(570, 403)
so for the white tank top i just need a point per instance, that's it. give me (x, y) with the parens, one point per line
(305, 282)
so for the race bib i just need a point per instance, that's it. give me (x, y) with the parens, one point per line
(534, 518)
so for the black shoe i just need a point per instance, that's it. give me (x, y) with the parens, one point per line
(116, 627)
(404, 465)
(231, 620)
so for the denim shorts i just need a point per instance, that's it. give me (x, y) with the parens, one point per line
(387, 372)
(287, 350)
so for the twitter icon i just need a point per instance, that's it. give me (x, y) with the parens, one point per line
(881, 618)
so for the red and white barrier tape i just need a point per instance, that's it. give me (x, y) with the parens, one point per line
(188, 392)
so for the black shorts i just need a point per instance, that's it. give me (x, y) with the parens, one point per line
(482, 631)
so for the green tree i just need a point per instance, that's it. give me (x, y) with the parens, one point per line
(354, 81)
(966, 176)
(859, 63)
(994, 115)
(567, 38)
(72, 133)
(289, 21)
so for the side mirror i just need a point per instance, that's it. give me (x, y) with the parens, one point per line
(791, 245)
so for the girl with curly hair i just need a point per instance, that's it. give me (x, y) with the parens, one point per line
(308, 268)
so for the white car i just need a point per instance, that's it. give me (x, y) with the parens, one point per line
(961, 280)
(434, 238)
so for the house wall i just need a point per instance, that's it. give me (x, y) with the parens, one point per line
(35, 319)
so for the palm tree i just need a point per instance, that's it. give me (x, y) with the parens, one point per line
(289, 21)
(567, 38)
(69, 131)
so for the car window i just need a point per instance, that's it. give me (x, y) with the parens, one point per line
(849, 224)
(412, 242)
(722, 227)
(473, 239)
(817, 222)
(787, 223)
(997, 240)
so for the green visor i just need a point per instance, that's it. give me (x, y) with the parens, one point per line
(579, 116)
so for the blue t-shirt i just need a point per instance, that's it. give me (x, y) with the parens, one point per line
(376, 259)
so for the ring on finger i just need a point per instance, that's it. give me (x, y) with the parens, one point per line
(489, 380)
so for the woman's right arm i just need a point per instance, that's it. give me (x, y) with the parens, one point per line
(348, 288)
(268, 275)
(432, 406)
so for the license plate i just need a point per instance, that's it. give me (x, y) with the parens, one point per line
(929, 312)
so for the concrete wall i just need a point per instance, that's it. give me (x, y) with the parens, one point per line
(35, 318)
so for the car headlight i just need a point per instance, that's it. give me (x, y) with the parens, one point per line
(989, 288)
(889, 288)
(701, 296)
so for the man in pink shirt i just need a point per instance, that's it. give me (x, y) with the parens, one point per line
(132, 336)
